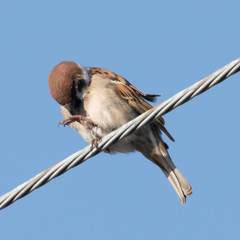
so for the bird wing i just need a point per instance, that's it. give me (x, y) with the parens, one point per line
(132, 95)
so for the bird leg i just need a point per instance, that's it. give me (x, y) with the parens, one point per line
(76, 118)
(95, 144)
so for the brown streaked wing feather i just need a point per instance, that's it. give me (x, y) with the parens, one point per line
(131, 94)
(118, 78)
(140, 105)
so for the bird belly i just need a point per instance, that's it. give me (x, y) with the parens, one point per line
(109, 112)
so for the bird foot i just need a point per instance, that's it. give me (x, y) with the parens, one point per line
(95, 144)
(76, 118)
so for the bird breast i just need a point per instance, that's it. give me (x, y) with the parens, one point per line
(104, 106)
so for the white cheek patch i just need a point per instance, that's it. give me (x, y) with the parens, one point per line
(85, 74)
(86, 77)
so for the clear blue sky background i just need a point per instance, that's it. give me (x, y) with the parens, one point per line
(160, 47)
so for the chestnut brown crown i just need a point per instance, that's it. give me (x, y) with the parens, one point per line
(60, 81)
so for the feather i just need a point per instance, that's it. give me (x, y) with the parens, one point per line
(131, 94)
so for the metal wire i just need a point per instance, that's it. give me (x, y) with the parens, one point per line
(147, 117)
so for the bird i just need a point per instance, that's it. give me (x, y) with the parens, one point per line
(96, 101)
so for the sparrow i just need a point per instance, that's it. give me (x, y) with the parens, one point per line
(96, 101)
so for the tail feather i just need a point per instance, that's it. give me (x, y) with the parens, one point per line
(158, 154)
(179, 183)
(186, 187)
(176, 186)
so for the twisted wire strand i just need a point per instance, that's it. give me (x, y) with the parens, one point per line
(145, 118)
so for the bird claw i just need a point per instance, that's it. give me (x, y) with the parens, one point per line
(76, 118)
(95, 144)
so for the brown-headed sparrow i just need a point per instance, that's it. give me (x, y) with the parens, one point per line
(96, 101)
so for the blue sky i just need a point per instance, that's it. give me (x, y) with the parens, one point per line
(160, 47)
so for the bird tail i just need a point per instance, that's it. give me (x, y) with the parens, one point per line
(159, 155)
(177, 180)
